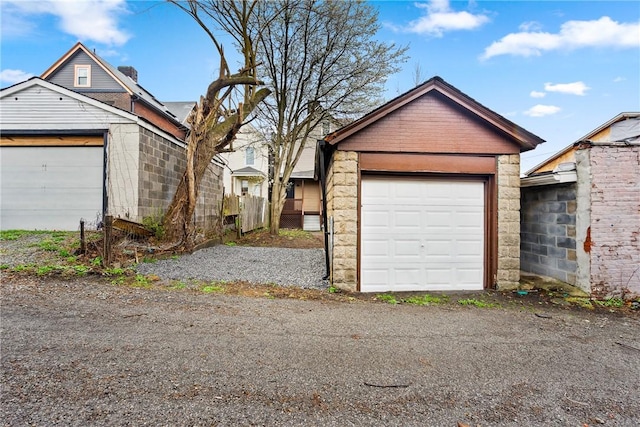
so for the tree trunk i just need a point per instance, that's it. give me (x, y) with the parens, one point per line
(277, 204)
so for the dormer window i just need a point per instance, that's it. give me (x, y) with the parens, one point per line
(249, 156)
(82, 76)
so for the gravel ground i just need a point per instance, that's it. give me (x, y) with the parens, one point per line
(282, 266)
(82, 352)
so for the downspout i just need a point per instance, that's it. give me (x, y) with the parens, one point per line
(322, 145)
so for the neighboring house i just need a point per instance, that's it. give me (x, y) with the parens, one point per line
(581, 212)
(423, 194)
(67, 156)
(82, 71)
(302, 207)
(247, 166)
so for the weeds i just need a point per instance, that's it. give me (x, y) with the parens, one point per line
(388, 298)
(610, 302)
(178, 284)
(209, 289)
(333, 290)
(426, 299)
(478, 303)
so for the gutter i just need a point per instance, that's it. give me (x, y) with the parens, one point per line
(564, 173)
(322, 145)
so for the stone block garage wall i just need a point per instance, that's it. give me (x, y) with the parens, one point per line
(342, 207)
(162, 164)
(548, 231)
(508, 272)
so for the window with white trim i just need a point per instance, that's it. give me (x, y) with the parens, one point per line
(82, 76)
(249, 156)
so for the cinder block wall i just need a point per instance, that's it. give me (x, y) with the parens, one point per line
(162, 164)
(508, 181)
(615, 220)
(342, 205)
(548, 231)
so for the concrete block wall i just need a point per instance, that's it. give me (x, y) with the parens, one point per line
(548, 231)
(508, 182)
(162, 164)
(342, 205)
(615, 220)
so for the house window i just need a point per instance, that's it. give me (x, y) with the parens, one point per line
(245, 187)
(249, 155)
(82, 76)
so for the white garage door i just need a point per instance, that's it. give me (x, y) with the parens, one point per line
(421, 235)
(50, 188)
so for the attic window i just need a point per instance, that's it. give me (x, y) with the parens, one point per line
(82, 76)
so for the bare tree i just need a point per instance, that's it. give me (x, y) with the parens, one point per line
(220, 113)
(321, 60)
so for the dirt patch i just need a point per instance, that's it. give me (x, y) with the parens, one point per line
(296, 239)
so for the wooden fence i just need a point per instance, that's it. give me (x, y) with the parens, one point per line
(251, 211)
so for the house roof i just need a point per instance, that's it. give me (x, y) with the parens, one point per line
(181, 110)
(127, 83)
(247, 171)
(620, 117)
(525, 139)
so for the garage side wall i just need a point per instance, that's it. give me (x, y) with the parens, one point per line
(342, 206)
(548, 231)
(615, 220)
(508, 271)
(122, 166)
(162, 164)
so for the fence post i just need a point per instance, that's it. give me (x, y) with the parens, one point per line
(83, 242)
(108, 228)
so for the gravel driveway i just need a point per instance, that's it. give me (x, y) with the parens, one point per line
(282, 266)
(82, 352)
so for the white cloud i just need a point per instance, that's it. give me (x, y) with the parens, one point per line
(541, 110)
(95, 20)
(440, 18)
(575, 88)
(603, 32)
(14, 76)
(536, 94)
(619, 79)
(530, 26)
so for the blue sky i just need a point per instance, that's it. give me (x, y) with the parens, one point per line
(558, 69)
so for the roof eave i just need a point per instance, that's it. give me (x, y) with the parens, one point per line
(525, 139)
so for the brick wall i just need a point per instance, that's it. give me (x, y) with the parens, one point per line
(508, 180)
(342, 205)
(162, 164)
(548, 231)
(615, 220)
(120, 100)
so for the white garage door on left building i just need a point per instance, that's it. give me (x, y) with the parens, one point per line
(51, 183)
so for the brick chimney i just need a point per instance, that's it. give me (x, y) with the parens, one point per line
(129, 71)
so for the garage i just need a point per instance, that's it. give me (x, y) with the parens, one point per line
(422, 194)
(421, 234)
(51, 182)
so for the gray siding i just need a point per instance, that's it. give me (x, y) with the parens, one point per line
(40, 108)
(548, 231)
(100, 80)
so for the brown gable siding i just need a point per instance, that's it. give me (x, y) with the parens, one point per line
(430, 124)
(154, 117)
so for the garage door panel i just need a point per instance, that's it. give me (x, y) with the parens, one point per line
(434, 231)
(50, 187)
(409, 248)
(376, 248)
